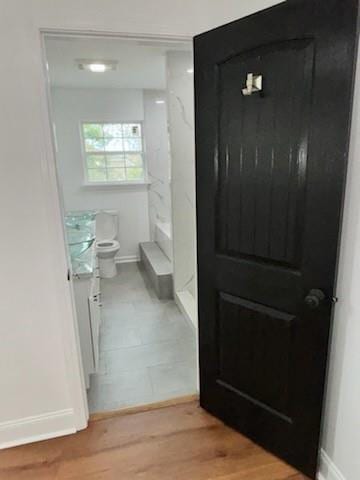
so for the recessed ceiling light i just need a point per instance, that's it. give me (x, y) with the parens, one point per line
(97, 66)
(159, 102)
(190, 70)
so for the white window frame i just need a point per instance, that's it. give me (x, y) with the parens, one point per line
(112, 183)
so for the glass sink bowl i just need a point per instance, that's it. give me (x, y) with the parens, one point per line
(79, 240)
(77, 249)
(79, 219)
(79, 232)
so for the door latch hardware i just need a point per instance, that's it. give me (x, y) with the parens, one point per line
(314, 298)
(253, 84)
(334, 299)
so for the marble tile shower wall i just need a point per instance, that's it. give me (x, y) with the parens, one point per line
(157, 157)
(180, 99)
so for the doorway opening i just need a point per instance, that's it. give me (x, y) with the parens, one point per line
(122, 116)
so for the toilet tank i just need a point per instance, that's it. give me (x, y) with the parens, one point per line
(107, 222)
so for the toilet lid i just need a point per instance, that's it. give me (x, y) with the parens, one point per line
(106, 226)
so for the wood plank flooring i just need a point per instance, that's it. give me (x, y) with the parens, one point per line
(180, 442)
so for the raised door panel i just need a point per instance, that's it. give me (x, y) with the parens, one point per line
(262, 148)
(255, 345)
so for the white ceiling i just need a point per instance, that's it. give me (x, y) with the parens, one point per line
(141, 63)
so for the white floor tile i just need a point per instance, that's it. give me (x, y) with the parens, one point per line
(147, 349)
(177, 377)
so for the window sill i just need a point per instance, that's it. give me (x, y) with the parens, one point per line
(143, 183)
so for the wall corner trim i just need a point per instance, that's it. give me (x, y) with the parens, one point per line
(36, 428)
(186, 303)
(328, 470)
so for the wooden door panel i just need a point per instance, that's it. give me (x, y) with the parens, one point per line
(270, 171)
(254, 352)
(262, 152)
(277, 286)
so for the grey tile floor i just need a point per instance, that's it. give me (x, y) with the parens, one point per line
(147, 348)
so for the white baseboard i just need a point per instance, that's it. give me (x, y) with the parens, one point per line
(186, 303)
(36, 428)
(328, 470)
(127, 259)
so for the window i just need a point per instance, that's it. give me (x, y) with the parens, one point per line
(113, 152)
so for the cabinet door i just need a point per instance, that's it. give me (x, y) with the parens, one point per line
(95, 291)
(94, 309)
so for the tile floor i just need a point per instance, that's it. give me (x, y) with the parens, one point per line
(147, 348)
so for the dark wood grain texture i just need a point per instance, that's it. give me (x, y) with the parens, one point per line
(270, 181)
(181, 442)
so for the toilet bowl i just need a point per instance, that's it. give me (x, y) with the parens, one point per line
(106, 244)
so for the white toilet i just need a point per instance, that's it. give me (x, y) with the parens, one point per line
(106, 244)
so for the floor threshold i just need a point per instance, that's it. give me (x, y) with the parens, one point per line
(144, 408)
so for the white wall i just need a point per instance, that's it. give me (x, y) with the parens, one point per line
(180, 93)
(40, 381)
(341, 440)
(71, 106)
(180, 98)
(157, 157)
(40, 394)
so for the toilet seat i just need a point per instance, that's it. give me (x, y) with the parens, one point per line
(107, 246)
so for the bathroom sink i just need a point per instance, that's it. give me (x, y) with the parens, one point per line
(77, 249)
(77, 235)
(80, 238)
(79, 220)
(80, 232)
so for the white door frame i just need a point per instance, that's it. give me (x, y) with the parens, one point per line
(69, 327)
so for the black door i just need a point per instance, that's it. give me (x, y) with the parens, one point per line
(271, 163)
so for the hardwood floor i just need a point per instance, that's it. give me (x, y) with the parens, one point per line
(180, 442)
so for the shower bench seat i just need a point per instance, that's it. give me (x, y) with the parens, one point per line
(159, 269)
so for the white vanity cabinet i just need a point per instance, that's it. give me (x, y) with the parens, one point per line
(88, 309)
(95, 317)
